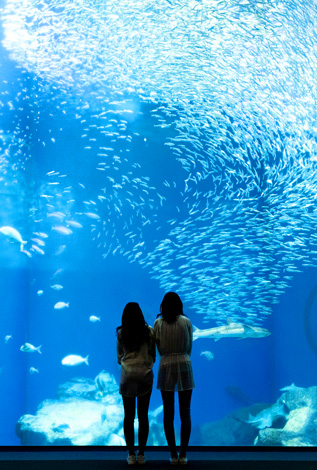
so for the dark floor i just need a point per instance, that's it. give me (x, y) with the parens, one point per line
(155, 464)
(50, 459)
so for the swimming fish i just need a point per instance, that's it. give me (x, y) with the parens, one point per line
(61, 305)
(13, 234)
(57, 273)
(57, 287)
(27, 347)
(74, 224)
(92, 215)
(244, 222)
(94, 319)
(60, 250)
(207, 354)
(74, 360)
(37, 249)
(105, 383)
(33, 370)
(62, 230)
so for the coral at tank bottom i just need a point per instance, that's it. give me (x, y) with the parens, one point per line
(291, 421)
(86, 412)
(300, 428)
(90, 412)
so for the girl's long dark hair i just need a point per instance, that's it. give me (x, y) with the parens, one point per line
(134, 329)
(171, 307)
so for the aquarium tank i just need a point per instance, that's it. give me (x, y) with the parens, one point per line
(148, 147)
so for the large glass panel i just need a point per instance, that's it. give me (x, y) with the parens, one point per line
(148, 147)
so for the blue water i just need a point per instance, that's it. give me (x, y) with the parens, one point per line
(257, 367)
(153, 218)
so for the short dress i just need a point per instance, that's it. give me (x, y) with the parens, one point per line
(174, 343)
(136, 377)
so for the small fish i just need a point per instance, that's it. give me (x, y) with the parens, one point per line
(38, 241)
(60, 250)
(27, 253)
(62, 230)
(61, 305)
(37, 249)
(74, 224)
(41, 234)
(207, 354)
(57, 287)
(92, 215)
(40, 292)
(74, 360)
(27, 347)
(7, 338)
(94, 319)
(59, 271)
(32, 370)
(57, 215)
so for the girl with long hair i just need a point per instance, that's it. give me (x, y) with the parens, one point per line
(174, 336)
(136, 354)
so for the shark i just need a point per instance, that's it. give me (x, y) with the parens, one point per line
(230, 330)
(291, 388)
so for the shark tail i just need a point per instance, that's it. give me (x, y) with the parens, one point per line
(195, 332)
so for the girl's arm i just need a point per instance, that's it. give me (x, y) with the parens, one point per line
(120, 351)
(190, 330)
(152, 350)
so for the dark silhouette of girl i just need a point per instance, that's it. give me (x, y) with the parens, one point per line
(174, 335)
(136, 354)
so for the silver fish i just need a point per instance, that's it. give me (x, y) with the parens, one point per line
(74, 360)
(61, 305)
(27, 347)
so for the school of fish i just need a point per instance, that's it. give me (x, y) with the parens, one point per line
(224, 89)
